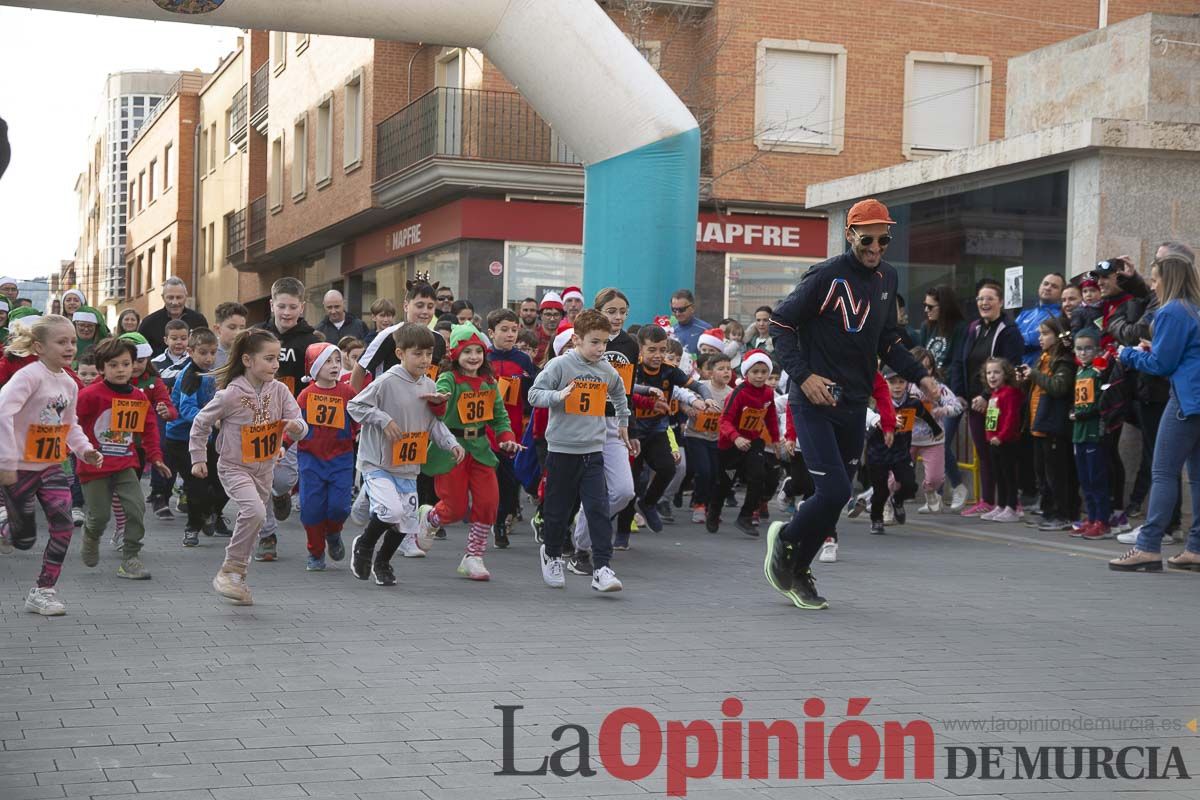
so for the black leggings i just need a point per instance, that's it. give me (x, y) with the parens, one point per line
(655, 454)
(906, 476)
(752, 465)
(1006, 461)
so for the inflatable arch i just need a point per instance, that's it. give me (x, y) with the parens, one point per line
(639, 143)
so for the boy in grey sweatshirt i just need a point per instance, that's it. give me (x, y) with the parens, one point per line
(574, 386)
(399, 416)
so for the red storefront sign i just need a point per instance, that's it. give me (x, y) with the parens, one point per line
(562, 223)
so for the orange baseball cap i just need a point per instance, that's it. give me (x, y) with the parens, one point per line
(868, 212)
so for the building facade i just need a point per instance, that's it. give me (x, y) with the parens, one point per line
(160, 190)
(127, 100)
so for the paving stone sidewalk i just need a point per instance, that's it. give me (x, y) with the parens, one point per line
(330, 687)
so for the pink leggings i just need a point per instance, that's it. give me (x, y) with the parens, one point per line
(934, 458)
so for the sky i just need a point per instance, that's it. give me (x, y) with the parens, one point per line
(65, 59)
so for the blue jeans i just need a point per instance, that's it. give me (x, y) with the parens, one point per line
(704, 460)
(831, 440)
(1091, 462)
(1178, 443)
(953, 473)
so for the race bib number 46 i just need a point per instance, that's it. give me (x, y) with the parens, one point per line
(129, 416)
(326, 410)
(46, 444)
(475, 407)
(411, 448)
(587, 399)
(261, 442)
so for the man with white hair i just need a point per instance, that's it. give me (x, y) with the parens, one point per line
(338, 322)
(154, 326)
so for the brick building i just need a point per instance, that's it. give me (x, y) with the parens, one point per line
(160, 191)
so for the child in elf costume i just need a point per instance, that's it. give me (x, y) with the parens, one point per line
(473, 406)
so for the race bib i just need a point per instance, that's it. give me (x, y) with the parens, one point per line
(129, 416)
(411, 449)
(326, 410)
(753, 420)
(474, 407)
(1085, 391)
(46, 444)
(626, 373)
(587, 399)
(510, 391)
(432, 373)
(261, 442)
(991, 420)
(905, 418)
(707, 422)
(288, 381)
(674, 406)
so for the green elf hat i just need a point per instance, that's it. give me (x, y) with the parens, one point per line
(89, 314)
(144, 350)
(462, 336)
(29, 315)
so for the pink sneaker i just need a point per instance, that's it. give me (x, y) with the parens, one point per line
(978, 510)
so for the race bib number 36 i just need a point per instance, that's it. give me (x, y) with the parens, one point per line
(261, 442)
(46, 444)
(587, 399)
(326, 410)
(411, 448)
(129, 416)
(474, 407)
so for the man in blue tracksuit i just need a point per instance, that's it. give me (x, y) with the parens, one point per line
(1049, 305)
(829, 334)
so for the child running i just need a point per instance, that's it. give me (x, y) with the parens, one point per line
(192, 391)
(326, 454)
(473, 406)
(254, 410)
(889, 455)
(399, 413)
(37, 427)
(575, 387)
(116, 418)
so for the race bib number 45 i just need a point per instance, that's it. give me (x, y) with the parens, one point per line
(707, 422)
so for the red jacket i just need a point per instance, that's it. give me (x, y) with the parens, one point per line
(735, 422)
(1008, 400)
(119, 448)
(322, 441)
(883, 404)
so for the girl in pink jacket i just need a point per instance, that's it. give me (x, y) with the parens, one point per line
(254, 410)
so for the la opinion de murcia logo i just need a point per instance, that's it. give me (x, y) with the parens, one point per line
(189, 6)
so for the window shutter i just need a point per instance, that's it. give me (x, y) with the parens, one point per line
(799, 97)
(943, 110)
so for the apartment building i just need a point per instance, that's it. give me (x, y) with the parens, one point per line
(126, 101)
(160, 192)
(371, 161)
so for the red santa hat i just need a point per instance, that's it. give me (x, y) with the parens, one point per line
(315, 357)
(713, 337)
(572, 293)
(552, 301)
(565, 331)
(755, 357)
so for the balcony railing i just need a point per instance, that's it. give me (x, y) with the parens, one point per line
(235, 236)
(256, 234)
(470, 124)
(259, 92)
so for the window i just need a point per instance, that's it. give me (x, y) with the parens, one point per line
(150, 178)
(533, 269)
(230, 147)
(325, 141)
(947, 100)
(133, 206)
(168, 152)
(149, 269)
(353, 119)
(275, 189)
(140, 278)
(302, 40)
(300, 157)
(203, 154)
(651, 51)
(753, 281)
(142, 189)
(212, 245)
(166, 258)
(212, 148)
(202, 245)
(800, 97)
(278, 51)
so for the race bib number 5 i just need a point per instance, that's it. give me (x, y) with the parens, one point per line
(411, 448)
(261, 442)
(474, 407)
(46, 444)
(326, 410)
(587, 399)
(129, 416)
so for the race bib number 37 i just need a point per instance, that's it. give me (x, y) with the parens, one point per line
(326, 410)
(46, 444)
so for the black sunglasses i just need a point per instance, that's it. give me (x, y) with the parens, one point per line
(867, 241)
(677, 309)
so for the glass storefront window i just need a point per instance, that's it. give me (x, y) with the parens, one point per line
(443, 267)
(534, 269)
(753, 281)
(386, 281)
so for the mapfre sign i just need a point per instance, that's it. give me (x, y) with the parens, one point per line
(765, 235)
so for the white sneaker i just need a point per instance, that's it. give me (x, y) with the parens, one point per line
(118, 538)
(232, 586)
(889, 513)
(425, 531)
(472, 567)
(933, 504)
(604, 580)
(360, 512)
(78, 517)
(1169, 537)
(552, 570)
(1007, 515)
(828, 554)
(409, 548)
(1130, 537)
(44, 602)
(958, 498)
(991, 515)
(698, 516)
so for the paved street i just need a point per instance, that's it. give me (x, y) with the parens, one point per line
(331, 687)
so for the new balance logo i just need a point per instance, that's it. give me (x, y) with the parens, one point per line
(854, 312)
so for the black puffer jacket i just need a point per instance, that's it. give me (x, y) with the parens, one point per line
(1130, 331)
